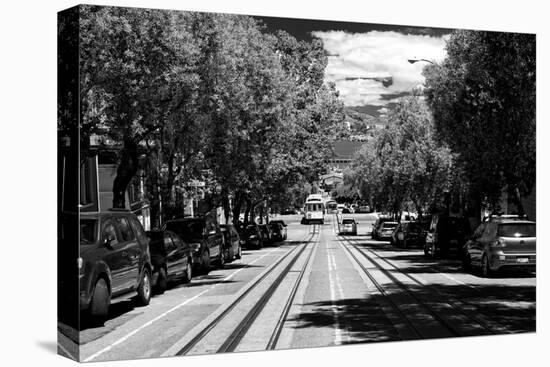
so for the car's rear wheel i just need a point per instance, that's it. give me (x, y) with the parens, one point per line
(188, 271)
(466, 262)
(162, 281)
(485, 268)
(101, 299)
(205, 266)
(144, 288)
(221, 259)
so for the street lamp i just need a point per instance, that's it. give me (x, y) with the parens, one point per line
(412, 61)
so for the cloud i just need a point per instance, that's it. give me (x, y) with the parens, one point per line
(377, 54)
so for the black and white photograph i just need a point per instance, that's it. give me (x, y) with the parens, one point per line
(240, 183)
(296, 183)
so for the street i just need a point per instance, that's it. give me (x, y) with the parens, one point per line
(314, 289)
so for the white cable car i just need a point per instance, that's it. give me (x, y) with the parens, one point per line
(314, 210)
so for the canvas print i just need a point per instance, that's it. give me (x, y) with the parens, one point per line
(234, 183)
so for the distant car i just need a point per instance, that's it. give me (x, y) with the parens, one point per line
(503, 243)
(276, 231)
(385, 230)
(346, 211)
(348, 226)
(376, 226)
(232, 242)
(205, 238)
(446, 234)
(362, 209)
(250, 236)
(283, 229)
(114, 259)
(409, 234)
(172, 258)
(289, 211)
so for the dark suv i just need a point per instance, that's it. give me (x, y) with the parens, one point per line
(446, 234)
(251, 236)
(232, 242)
(114, 259)
(205, 238)
(171, 258)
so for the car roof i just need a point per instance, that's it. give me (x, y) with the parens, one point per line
(182, 220)
(114, 213)
(514, 221)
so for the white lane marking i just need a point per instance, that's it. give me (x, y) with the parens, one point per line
(135, 331)
(340, 289)
(337, 331)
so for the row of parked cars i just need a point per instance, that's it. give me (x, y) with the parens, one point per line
(117, 256)
(500, 241)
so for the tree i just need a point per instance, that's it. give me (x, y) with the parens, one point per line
(483, 101)
(404, 163)
(135, 78)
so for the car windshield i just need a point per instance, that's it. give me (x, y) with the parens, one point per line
(389, 225)
(88, 231)
(348, 221)
(517, 230)
(414, 227)
(251, 230)
(186, 229)
(454, 225)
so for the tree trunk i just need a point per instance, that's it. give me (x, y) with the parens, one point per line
(261, 214)
(517, 198)
(252, 214)
(125, 172)
(226, 205)
(237, 204)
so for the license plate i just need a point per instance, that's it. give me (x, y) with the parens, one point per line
(522, 260)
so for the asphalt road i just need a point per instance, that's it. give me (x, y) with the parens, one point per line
(315, 289)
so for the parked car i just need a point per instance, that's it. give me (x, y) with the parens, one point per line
(408, 234)
(232, 242)
(376, 226)
(250, 236)
(362, 209)
(205, 238)
(171, 257)
(283, 229)
(289, 211)
(385, 230)
(266, 233)
(446, 234)
(114, 259)
(276, 231)
(348, 226)
(502, 243)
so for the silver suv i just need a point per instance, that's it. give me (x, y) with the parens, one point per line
(501, 243)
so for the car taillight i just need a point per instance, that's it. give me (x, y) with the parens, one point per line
(79, 263)
(497, 243)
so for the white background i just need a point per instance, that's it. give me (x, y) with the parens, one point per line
(28, 181)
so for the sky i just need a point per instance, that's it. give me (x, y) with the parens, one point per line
(368, 62)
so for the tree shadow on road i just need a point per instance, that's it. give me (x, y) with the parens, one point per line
(510, 308)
